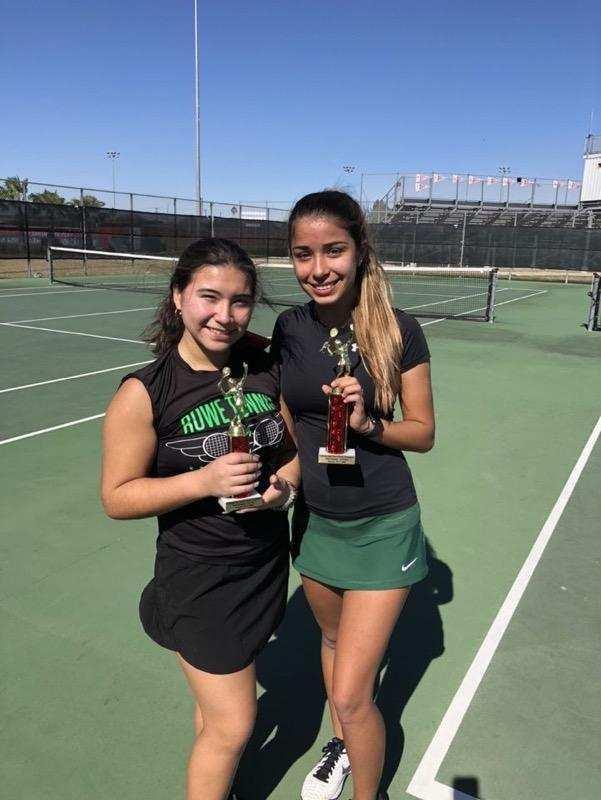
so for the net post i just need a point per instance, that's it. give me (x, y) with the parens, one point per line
(492, 290)
(50, 264)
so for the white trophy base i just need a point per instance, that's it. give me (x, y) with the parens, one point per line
(231, 504)
(348, 457)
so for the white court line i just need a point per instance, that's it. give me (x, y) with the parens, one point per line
(71, 333)
(72, 377)
(504, 303)
(53, 428)
(450, 299)
(61, 291)
(423, 784)
(76, 316)
(25, 288)
(97, 416)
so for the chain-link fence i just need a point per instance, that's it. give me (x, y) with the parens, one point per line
(28, 226)
(489, 245)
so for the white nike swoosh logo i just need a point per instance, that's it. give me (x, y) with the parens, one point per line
(405, 567)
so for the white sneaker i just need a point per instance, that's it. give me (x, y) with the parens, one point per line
(326, 779)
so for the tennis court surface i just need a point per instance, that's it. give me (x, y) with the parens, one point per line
(490, 688)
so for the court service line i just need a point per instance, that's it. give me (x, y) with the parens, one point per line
(53, 428)
(38, 294)
(423, 784)
(450, 299)
(71, 333)
(77, 316)
(483, 308)
(72, 377)
(45, 288)
(25, 288)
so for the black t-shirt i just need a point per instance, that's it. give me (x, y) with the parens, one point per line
(191, 419)
(380, 481)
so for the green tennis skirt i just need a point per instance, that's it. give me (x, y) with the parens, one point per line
(383, 552)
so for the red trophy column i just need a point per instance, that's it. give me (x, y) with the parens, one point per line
(337, 423)
(239, 444)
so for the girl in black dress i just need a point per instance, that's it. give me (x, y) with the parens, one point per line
(219, 588)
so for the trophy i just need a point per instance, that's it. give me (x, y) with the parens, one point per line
(232, 390)
(336, 451)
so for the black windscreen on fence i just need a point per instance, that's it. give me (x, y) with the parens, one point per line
(26, 229)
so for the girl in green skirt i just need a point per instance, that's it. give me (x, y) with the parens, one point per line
(360, 544)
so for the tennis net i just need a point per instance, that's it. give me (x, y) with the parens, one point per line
(438, 292)
(108, 270)
(593, 322)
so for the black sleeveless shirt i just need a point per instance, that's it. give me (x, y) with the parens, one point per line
(191, 418)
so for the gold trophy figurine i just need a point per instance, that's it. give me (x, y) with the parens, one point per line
(233, 390)
(336, 451)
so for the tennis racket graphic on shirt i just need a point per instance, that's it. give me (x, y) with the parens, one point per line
(265, 433)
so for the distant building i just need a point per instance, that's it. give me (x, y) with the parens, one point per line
(591, 176)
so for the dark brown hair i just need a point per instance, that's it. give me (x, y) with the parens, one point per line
(167, 328)
(376, 328)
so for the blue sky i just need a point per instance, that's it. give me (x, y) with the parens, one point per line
(291, 91)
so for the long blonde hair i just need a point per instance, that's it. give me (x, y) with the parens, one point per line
(376, 327)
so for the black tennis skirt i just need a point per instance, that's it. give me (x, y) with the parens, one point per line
(218, 617)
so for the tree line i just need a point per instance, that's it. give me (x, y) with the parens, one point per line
(15, 188)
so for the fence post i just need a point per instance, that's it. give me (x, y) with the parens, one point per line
(175, 224)
(83, 231)
(131, 223)
(587, 245)
(534, 251)
(268, 230)
(212, 220)
(463, 238)
(27, 242)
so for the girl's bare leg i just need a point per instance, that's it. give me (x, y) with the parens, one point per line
(326, 604)
(224, 722)
(366, 623)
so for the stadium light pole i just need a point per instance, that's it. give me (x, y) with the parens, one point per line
(348, 169)
(113, 155)
(197, 111)
(504, 172)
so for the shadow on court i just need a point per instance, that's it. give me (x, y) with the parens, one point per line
(465, 787)
(417, 639)
(291, 708)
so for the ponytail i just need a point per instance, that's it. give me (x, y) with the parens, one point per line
(374, 321)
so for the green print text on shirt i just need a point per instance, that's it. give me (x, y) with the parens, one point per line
(214, 413)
